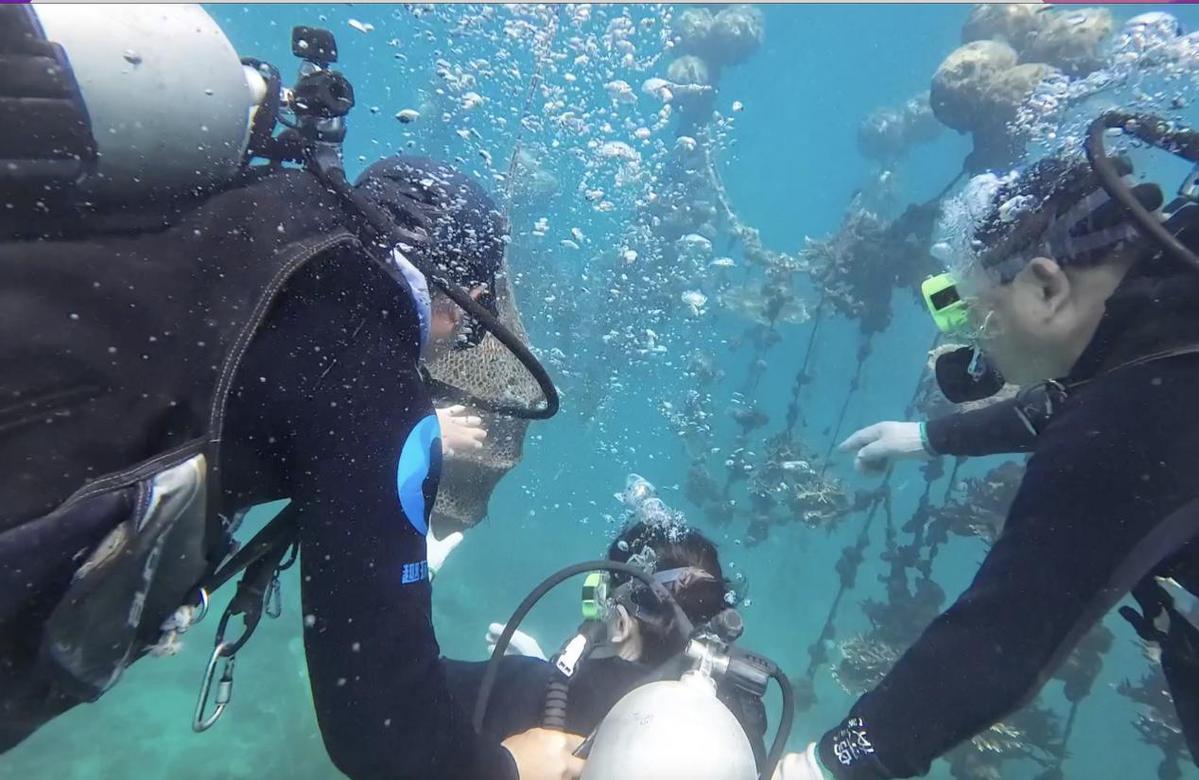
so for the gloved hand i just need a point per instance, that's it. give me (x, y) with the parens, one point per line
(439, 549)
(880, 444)
(542, 754)
(460, 432)
(801, 766)
(521, 644)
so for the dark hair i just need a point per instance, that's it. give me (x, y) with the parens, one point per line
(468, 231)
(674, 548)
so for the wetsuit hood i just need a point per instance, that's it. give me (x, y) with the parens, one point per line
(467, 230)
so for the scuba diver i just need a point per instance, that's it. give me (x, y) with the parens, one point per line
(468, 243)
(183, 335)
(1081, 288)
(632, 640)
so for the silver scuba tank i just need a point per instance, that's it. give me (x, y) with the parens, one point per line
(169, 102)
(671, 729)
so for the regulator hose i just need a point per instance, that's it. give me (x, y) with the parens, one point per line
(335, 180)
(786, 718)
(1154, 131)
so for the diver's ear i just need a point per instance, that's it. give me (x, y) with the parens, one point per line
(1051, 282)
(620, 625)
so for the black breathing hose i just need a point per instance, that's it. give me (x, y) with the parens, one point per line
(1154, 131)
(557, 698)
(786, 718)
(335, 180)
(557, 693)
(681, 624)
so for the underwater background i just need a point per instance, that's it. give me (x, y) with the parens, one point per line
(673, 364)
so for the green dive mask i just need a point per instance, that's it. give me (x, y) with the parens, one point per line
(946, 306)
(595, 596)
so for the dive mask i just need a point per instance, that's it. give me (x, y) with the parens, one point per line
(964, 374)
(599, 596)
(945, 303)
(595, 596)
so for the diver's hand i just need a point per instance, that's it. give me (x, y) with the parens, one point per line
(801, 766)
(460, 432)
(542, 754)
(439, 549)
(879, 445)
(521, 644)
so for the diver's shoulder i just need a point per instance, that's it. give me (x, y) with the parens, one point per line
(1149, 405)
(1147, 385)
(297, 187)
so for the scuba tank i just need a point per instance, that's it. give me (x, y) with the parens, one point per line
(673, 728)
(161, 92)
(672, 725)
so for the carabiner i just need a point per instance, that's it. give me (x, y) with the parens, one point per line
(202, 608)
(273, 604)
(224, 691)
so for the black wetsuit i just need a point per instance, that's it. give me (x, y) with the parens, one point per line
(518, 701)
(323, 402)
(1109, 496)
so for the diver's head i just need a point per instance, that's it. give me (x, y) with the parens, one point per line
(467, 234)
(687, 564)
(1045, 248)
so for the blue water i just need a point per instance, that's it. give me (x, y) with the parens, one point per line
(791, 172)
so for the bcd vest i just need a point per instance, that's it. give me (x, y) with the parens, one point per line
(117, 354)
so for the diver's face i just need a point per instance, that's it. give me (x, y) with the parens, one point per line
(1024, 326)
(446, 322)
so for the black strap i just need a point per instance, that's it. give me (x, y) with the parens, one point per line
(276, 536)
(250, 599)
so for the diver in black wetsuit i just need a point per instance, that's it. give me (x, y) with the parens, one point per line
(175, 348)
(688, 563)
(1068, 289)
(325, 407)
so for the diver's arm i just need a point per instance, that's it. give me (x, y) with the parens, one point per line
(335, 366)
(1001, 427)
(517, 699)
(991, 430)
(1108, 478)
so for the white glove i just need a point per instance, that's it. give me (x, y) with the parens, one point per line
(880, 444)
(460, 432)
(801, 766)
(439, 549)
(521, 644)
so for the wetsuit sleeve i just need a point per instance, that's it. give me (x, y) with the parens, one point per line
(1107, 496)
(517, 700)
(339, 359)
(992, 430)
